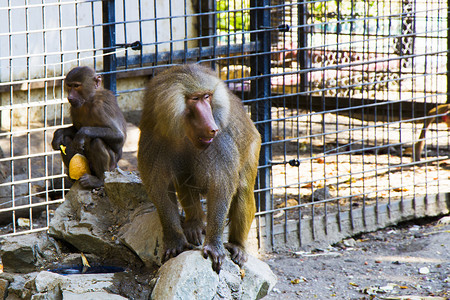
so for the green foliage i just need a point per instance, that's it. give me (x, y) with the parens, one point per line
(235, 16)
(343, 9)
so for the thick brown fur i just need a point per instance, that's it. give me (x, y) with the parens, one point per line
(99, 128)
(224, 172)
(439, 110)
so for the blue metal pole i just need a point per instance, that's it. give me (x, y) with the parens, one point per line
(260, 24)
(109, 44)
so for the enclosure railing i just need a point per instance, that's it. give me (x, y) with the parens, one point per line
(339, 91)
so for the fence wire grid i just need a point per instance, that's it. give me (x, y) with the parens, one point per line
(339, 90)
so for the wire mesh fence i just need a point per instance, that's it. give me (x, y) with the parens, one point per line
(338, 89)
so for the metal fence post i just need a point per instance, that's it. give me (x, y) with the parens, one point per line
(109, 44)
(448, 54)
(261, 110)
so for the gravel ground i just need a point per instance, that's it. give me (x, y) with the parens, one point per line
(409, 261)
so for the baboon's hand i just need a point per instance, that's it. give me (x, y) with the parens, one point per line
(217, 254)
(174, 248)
(238, 254)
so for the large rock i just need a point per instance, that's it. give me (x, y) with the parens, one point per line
(143, 235)
(51, 286)
(25, 253)
(86, 286)
(190, 276)
(259, 279)
(20, 285)
(88, 221)
(125, 189)
(18, 255)
(47, 281)
(94, 222)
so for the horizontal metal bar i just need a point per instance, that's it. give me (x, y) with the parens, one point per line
(191, 53)
(41, 154)
(45, 4)
(45, 203)
(24, 232)
(33, 104)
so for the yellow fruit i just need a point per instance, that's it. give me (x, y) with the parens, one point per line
(78, 166)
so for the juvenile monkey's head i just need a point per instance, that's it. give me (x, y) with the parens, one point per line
(80, 84)
(189, 101)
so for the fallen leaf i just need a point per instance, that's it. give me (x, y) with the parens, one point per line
(84, 260)
(298, 280)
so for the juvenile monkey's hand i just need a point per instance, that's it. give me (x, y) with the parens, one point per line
(217, 254)
(78, 143)
(58, 138)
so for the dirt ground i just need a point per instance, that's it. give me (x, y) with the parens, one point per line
(409, 261)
